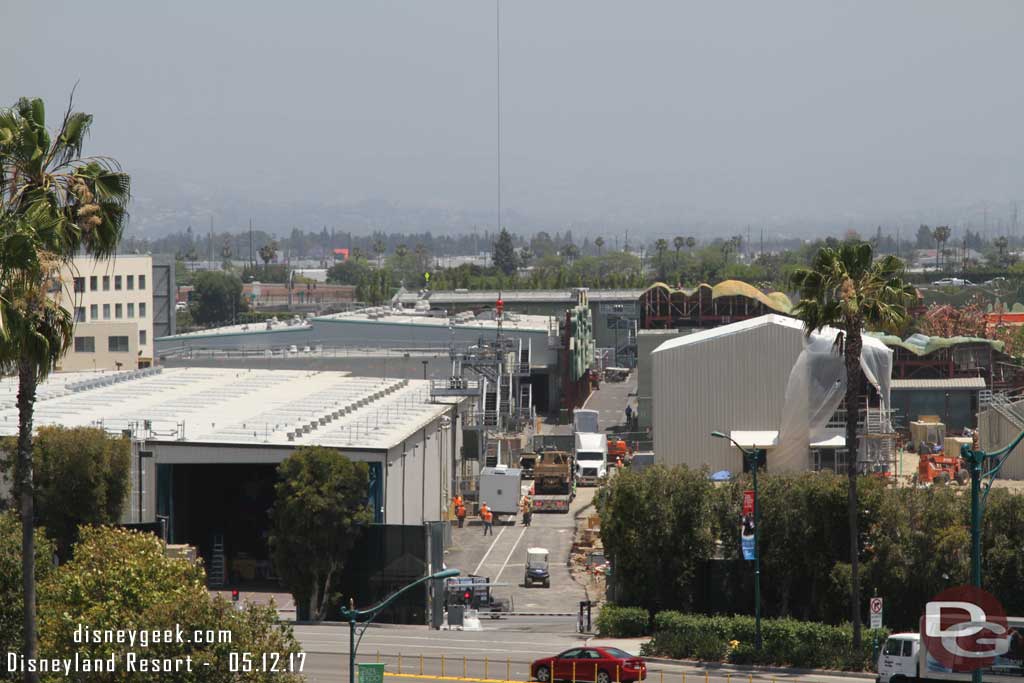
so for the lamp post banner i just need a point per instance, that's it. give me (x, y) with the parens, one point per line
(747, 526)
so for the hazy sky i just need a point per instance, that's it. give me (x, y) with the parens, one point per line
(627, 111)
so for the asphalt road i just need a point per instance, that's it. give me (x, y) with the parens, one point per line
(502, 558)
(506, 653)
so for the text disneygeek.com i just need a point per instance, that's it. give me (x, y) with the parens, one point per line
(130, 661)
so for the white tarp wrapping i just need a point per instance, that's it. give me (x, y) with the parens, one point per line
(816, 387)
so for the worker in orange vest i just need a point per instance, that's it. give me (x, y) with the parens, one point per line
(460, 511)
(488, 517)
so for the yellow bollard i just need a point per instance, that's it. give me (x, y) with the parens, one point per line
(618, 678)
(684, 677)
(421, 665)
(378, 656)
(574, 673)
(662, 678)
(595, 673)
(705, 677)
(728, 678)
(750, 678)
(463, 666)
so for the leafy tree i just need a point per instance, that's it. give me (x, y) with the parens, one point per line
(661, 246)
(123, 580)
(268, 252)
(11, 605)
(504, 253)
(844, 288)
(54, 204)
(81, 477)
(657, 510)
(599, 243)
(319, 507)
(354, 271)
(925, 238)
(952, 321)
(1000, 243)
(217, 297)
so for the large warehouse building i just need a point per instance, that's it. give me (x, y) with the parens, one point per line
(206, 443)
(731, 379)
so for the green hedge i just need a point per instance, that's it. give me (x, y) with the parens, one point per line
(785, 642)
(622, 622)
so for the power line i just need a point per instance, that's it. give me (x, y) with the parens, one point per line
(497, 23)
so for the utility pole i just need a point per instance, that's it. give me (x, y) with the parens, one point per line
(252, 255)
(762, 242)
(211, 241)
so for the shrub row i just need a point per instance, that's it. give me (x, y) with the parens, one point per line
(785, 642)
(622, 622)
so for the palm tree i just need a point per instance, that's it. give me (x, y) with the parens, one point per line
(1001, 243)
(599, 243)
(421, 256)
(54, 203)
(941, 234)
(678, 243)
(570, 253)
(845, 289)
(661, 246)
(690, 243)
(267, 254)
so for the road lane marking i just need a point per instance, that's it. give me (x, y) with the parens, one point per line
(484, 559)
(509, 557)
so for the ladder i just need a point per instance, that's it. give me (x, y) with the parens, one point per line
(218, 565)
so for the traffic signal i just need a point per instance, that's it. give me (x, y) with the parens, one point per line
(467, 596)
(234, 595)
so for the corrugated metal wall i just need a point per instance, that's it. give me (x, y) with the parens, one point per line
(996, 432)
(731, 382)
(646, 342)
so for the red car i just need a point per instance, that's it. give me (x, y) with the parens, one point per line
(597, 664)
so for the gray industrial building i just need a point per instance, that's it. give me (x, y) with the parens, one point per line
(615, 312)
(646, 342)
(731, 379)
(206, 444)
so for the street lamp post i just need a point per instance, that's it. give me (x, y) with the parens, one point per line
(753, 459)
(977, 461)
(352, 615)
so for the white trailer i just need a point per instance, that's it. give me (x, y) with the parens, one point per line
(501, 488)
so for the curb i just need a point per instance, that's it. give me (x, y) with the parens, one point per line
(738, 668)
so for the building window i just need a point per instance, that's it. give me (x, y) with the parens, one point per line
(106, 311)
(131, 310)
(94, 312)
(106, 283)
(79, 314)
(131, 282)
(117, 283)
(79, 285)
(142, 309)
(117, 344)
(118, 311)
(93, 283)
(85, 344)
(142, 282)
(142, 337)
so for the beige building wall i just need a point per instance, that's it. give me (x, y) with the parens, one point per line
(112, 298)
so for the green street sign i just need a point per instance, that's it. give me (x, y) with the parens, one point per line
(371, 673)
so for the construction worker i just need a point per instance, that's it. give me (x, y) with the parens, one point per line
(488, 517)
(460, 512)
(618, 462)
(527, 508)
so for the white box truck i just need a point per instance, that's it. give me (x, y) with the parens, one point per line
(902, 659)
(501, 488)
(591, 458)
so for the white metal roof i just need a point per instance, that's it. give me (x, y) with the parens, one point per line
(534, 295)
(971, 383)
(760, 439)
(747, 325)
(284, 325)
(834, 441)
(233, 406)
(388, 316)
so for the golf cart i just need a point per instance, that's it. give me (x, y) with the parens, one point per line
(537, 567)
